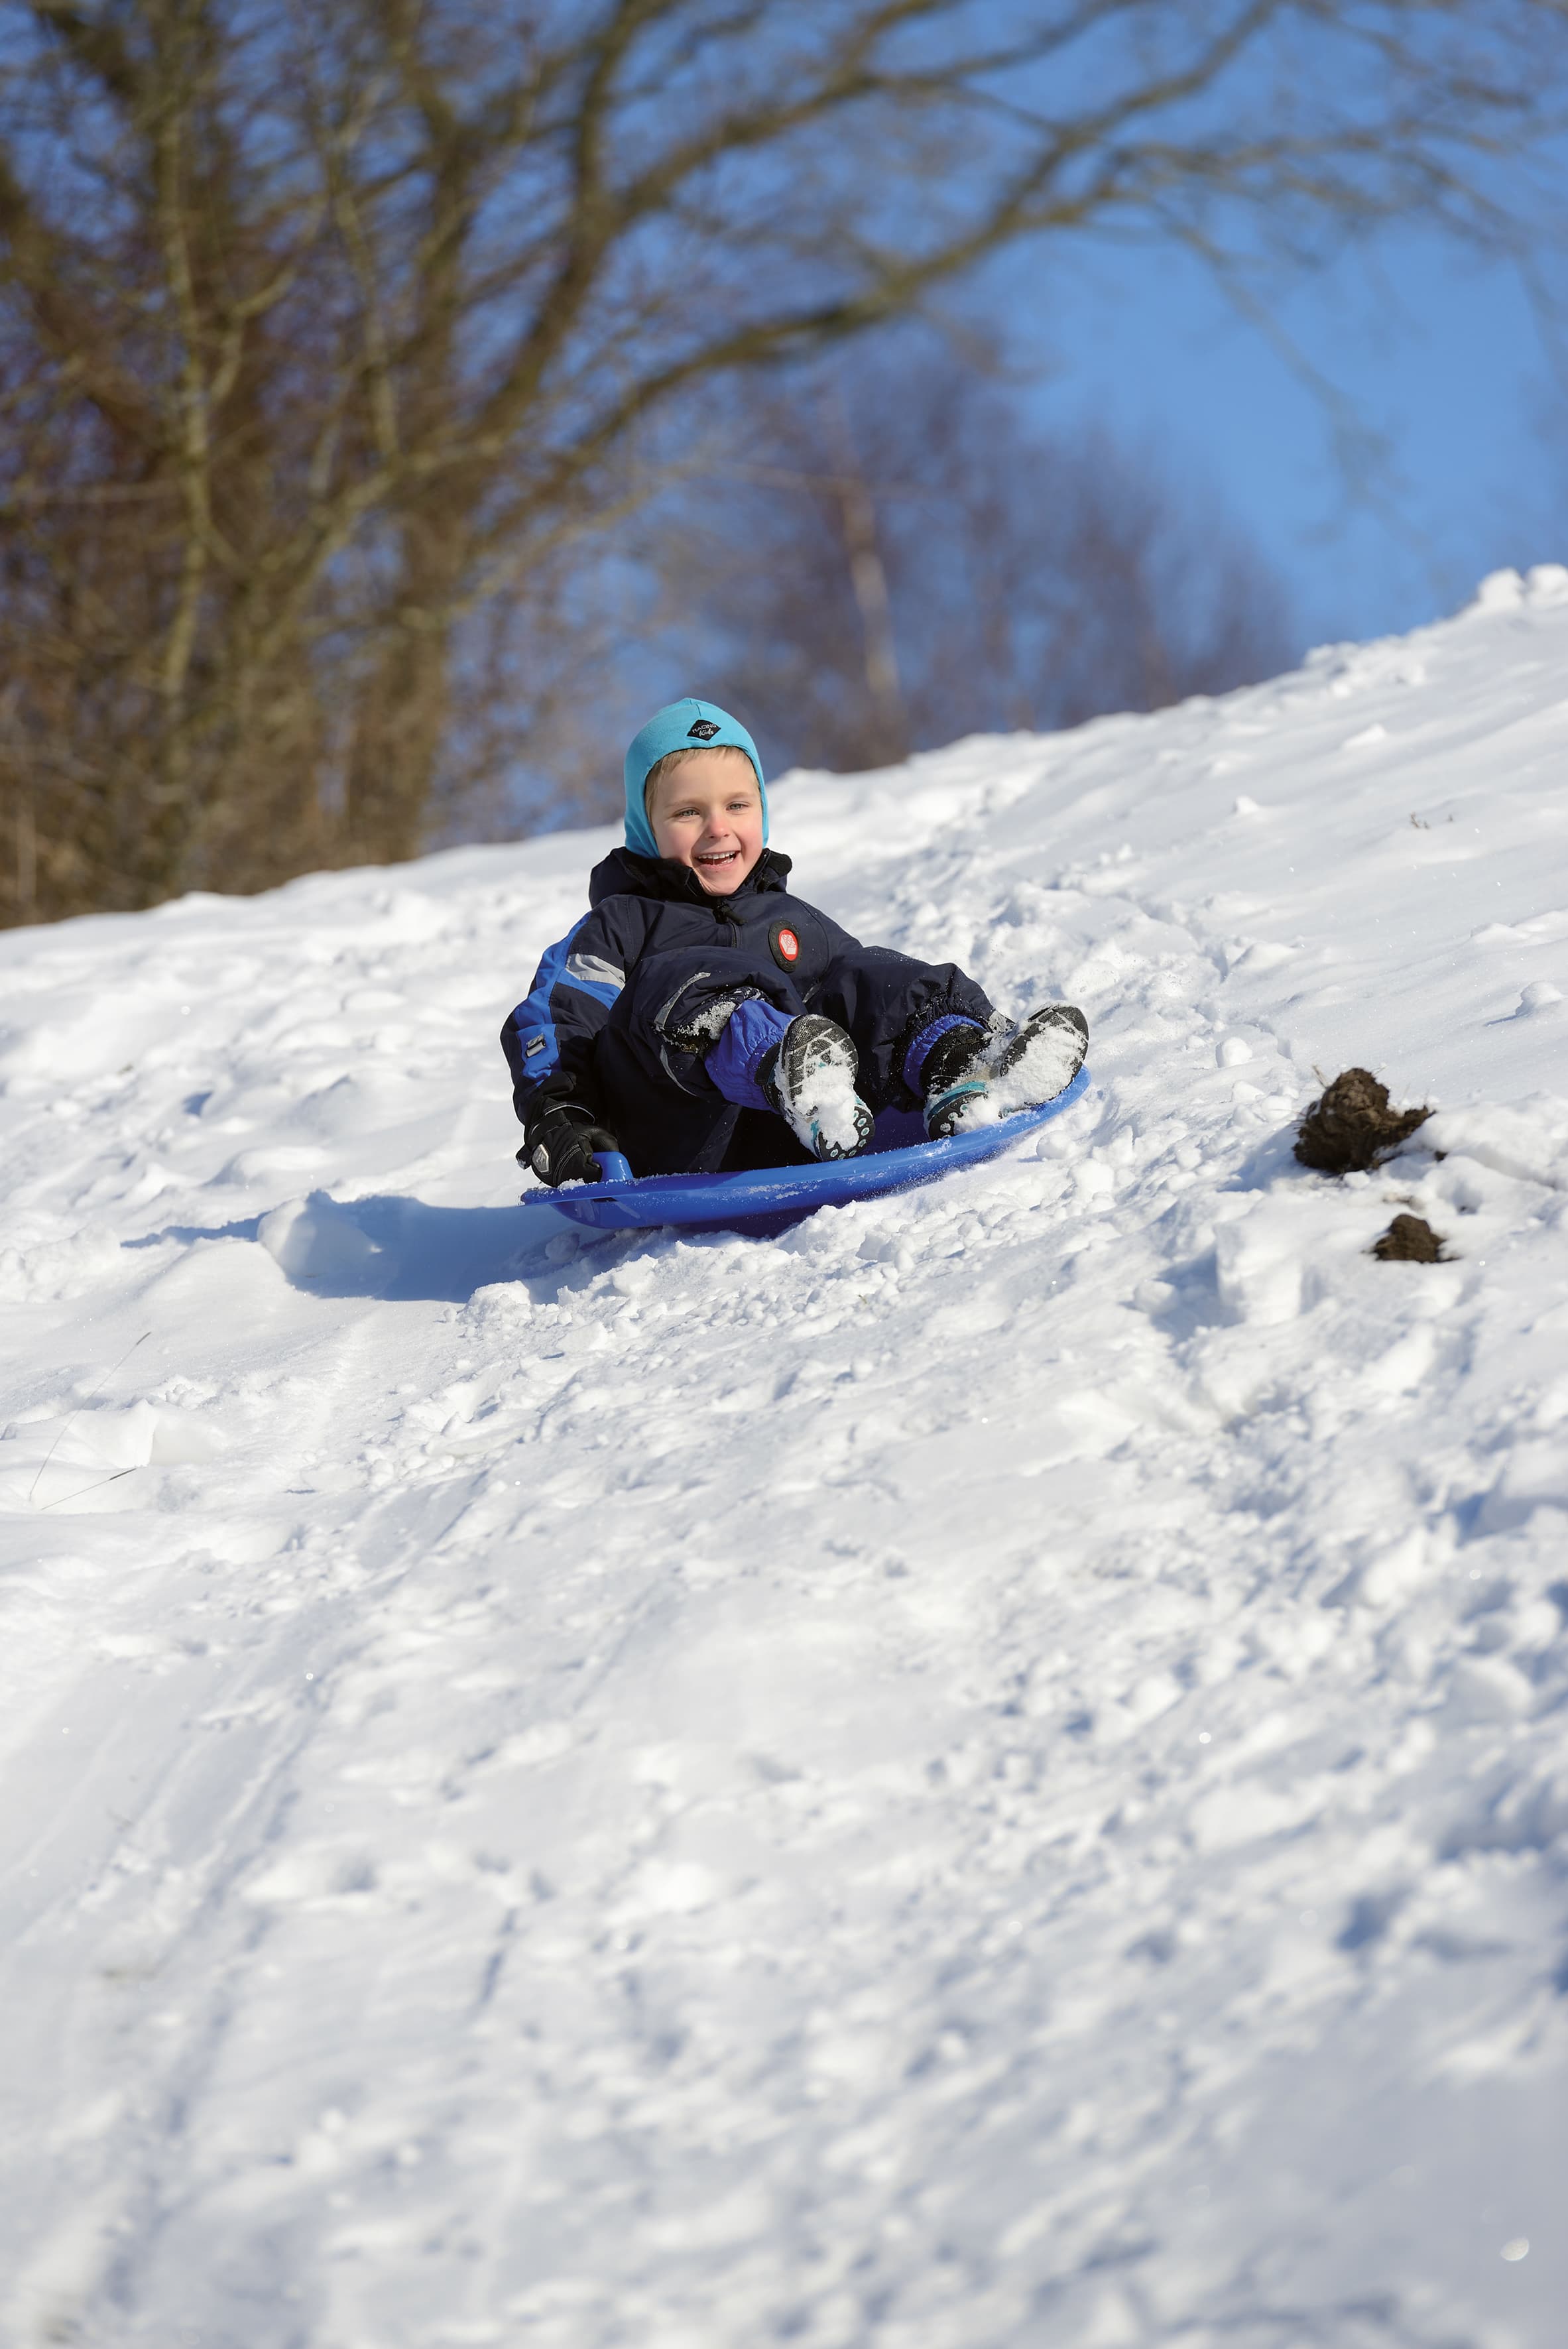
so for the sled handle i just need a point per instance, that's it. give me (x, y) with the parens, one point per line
(613, 1166)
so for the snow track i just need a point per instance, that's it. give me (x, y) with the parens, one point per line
(989, 1772)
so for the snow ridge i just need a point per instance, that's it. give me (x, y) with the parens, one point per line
(989, 1771)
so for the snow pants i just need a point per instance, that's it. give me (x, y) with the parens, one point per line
(677, 1110)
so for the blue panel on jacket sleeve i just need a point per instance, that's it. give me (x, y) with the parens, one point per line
(538, 1047)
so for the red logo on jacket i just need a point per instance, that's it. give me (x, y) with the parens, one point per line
(785, 946)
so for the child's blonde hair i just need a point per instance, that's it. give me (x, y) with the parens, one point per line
(674, 759)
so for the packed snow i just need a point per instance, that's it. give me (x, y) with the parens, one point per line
(987, 1773)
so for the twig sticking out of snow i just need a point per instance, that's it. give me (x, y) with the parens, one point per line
(92, 1396)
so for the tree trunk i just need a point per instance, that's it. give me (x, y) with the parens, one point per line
(404, 705)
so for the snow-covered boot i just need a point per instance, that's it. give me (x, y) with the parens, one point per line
(973, 1076)
(1039, 1060)
(809, 1078)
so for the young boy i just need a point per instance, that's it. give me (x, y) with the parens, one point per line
(699, 1017)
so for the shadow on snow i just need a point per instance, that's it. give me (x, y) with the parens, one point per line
(399, 1249)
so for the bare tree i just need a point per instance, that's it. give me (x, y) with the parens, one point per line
(327, 335)
(892, 556)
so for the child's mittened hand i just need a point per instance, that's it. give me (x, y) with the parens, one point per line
(561, 1142)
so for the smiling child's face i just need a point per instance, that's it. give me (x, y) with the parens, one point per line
(707, 813)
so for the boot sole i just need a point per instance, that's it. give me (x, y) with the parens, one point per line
(812, 1042)
(1068, 1020)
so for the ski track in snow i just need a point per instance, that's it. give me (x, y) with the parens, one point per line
(990, 1771)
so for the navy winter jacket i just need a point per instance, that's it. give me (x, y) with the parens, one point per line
(589, 1030)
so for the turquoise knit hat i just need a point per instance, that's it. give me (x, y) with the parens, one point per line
(681, 726)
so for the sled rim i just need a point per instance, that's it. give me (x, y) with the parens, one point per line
(647, 1201)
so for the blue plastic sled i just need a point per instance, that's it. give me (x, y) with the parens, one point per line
(623, 1202)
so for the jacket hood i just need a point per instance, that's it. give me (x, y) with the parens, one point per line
(688, 725)
(624, 873)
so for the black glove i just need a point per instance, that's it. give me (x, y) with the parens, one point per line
(560, 1144)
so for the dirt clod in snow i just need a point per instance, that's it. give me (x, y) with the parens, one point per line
(1410, 1239)
(1352, 1126)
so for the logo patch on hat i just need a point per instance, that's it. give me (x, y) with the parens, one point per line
(785, 946)
(704, 730)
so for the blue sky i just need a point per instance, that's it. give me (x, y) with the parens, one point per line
(1438, 353)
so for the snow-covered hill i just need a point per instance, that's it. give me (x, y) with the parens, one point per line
(989, 1773)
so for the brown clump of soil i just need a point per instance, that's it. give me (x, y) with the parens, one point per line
(1410, 1239)
(1351, 1127)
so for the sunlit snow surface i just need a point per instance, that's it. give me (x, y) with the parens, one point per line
(991, 1771)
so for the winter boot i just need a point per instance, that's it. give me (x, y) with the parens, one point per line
(954, 1074)
(973, 1076)
(809, 1078)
